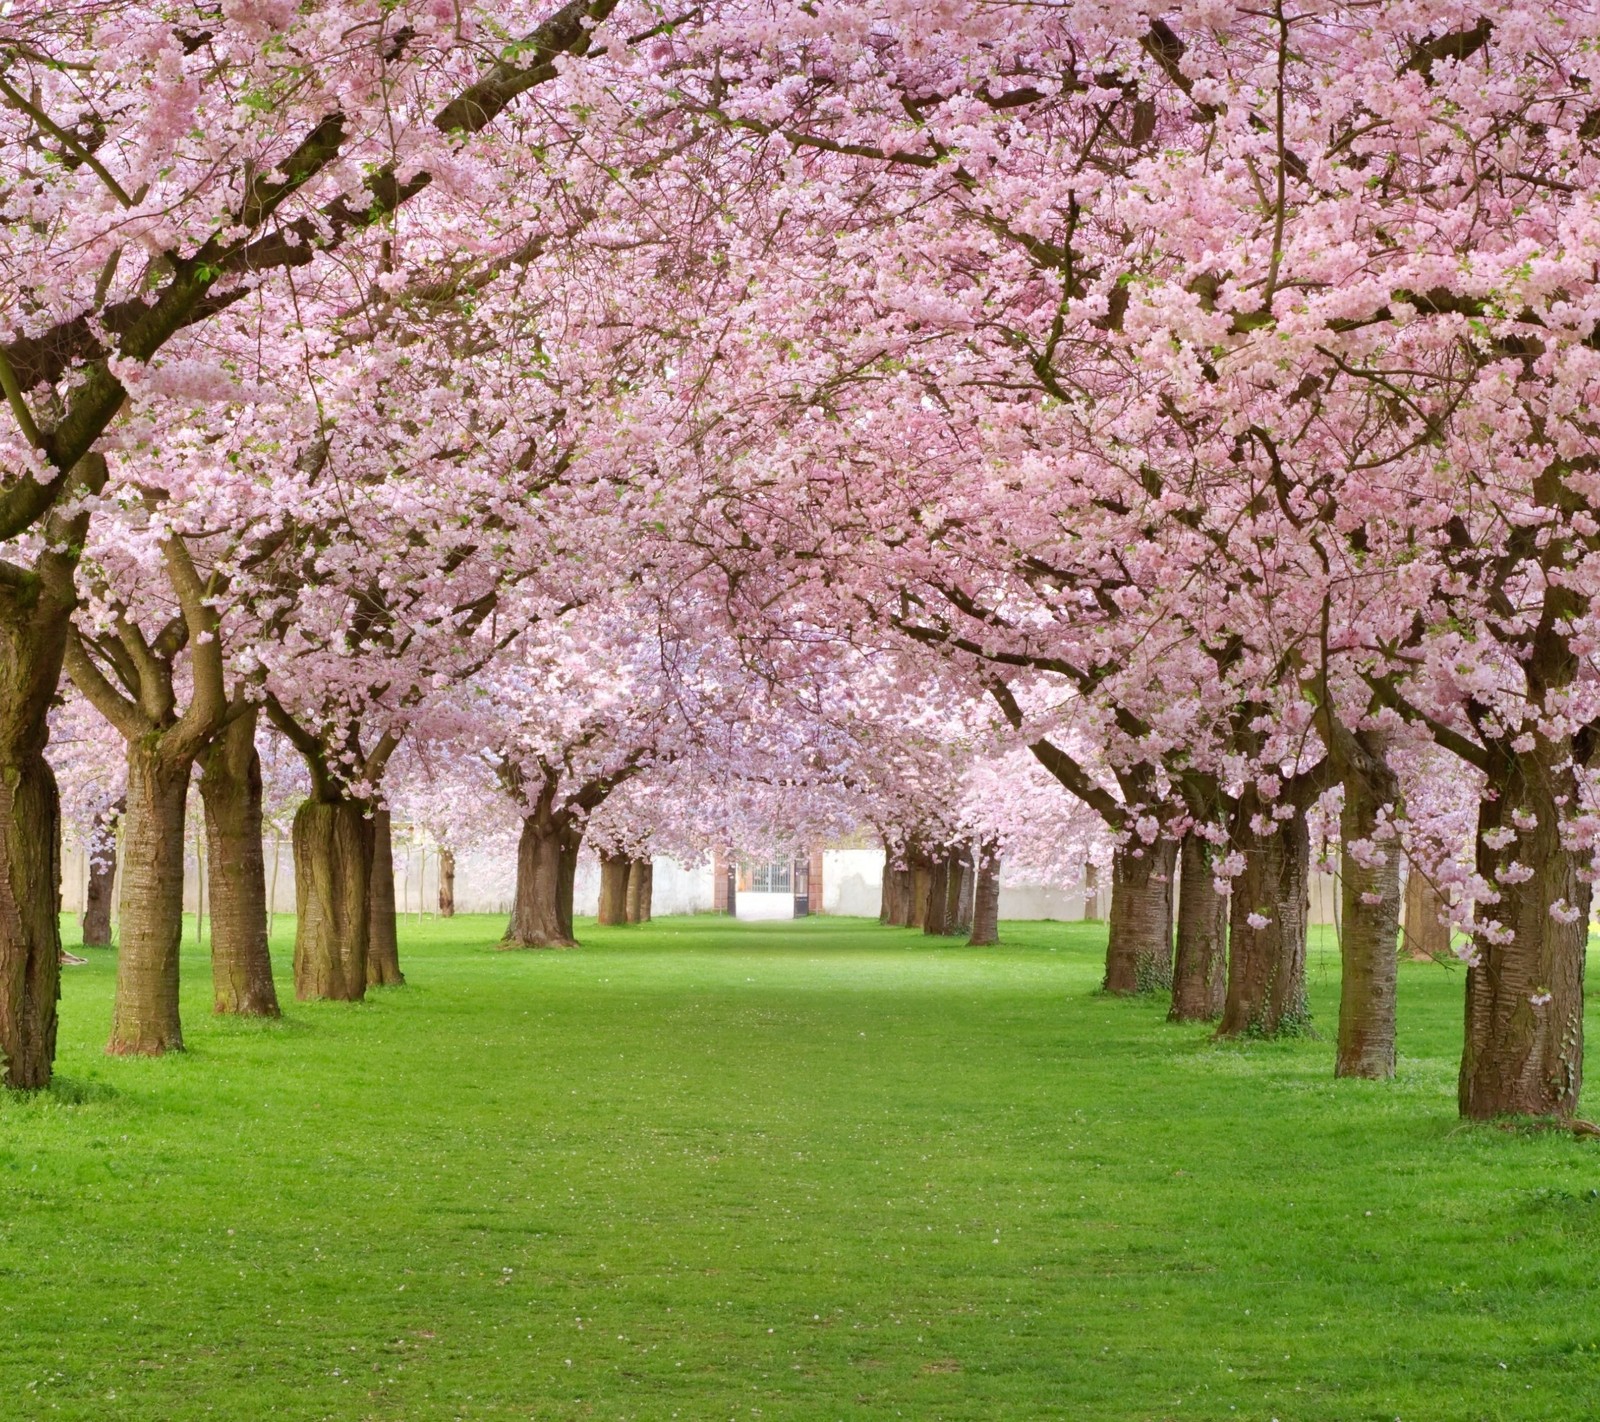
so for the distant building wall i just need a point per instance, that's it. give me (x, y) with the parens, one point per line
(852, 882)
(1041, 901)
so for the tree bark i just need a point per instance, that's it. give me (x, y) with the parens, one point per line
(1200, 972)
(641, 886)
(921, 881)
(1370, 905)
(647, 891)
(952, 892)
(614, 888)
(333, 851)
(986, 899)
(1139, 942)
(964, 895)
(33, 631)
(144, 1020)
(934, 920)
(1524, 1012)
(230, 788)
(30, 929)
(1427, 935)
(897, 896)
(547, 864)
(447, 883)
(95, 924)
(1267, 964)
(383, 941)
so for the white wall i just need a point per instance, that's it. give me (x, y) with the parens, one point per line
(1041, 901)
(852, 881)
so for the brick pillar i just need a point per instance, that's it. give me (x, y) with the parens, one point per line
(814, 875)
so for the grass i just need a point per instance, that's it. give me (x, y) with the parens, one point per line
(821, 1170)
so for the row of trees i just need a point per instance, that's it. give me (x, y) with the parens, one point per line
(755, 414)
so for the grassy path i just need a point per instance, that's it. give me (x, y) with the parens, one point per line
(812, 1171)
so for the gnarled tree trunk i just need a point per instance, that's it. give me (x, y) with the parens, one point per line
(986, 899)
(1370, 921)
(230, 787)
(1200, 970)
(1267, 958)
(95, 924)
(1139, 943)
(1427, 933)
(333, 849)
(614, 888)
(1524, 1021)
(447, 883)
(144, 1020)
(383, 941)
(547, 864)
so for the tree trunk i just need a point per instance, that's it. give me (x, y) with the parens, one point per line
(897, 895)
(921, 881)
(333, 850)
(614, 888)
(934, 920)
(272, 888)
(1267, 964)
(1370, 904)
(1200, 973)
(95, 925)
(30, 928)
(1524, 1013)
(1427, 935)
(1139, 942)
(641, 885)
(647, 890)
(144, 1020)
(383, 941)
(447, 883)
(547, 862)
(230, 787)
(952, 892)
(986, 899)
(964, 893)
(33, 630)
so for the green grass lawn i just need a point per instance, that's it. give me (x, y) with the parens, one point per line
(819, 1170)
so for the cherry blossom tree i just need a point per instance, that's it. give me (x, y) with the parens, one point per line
(162, 172)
